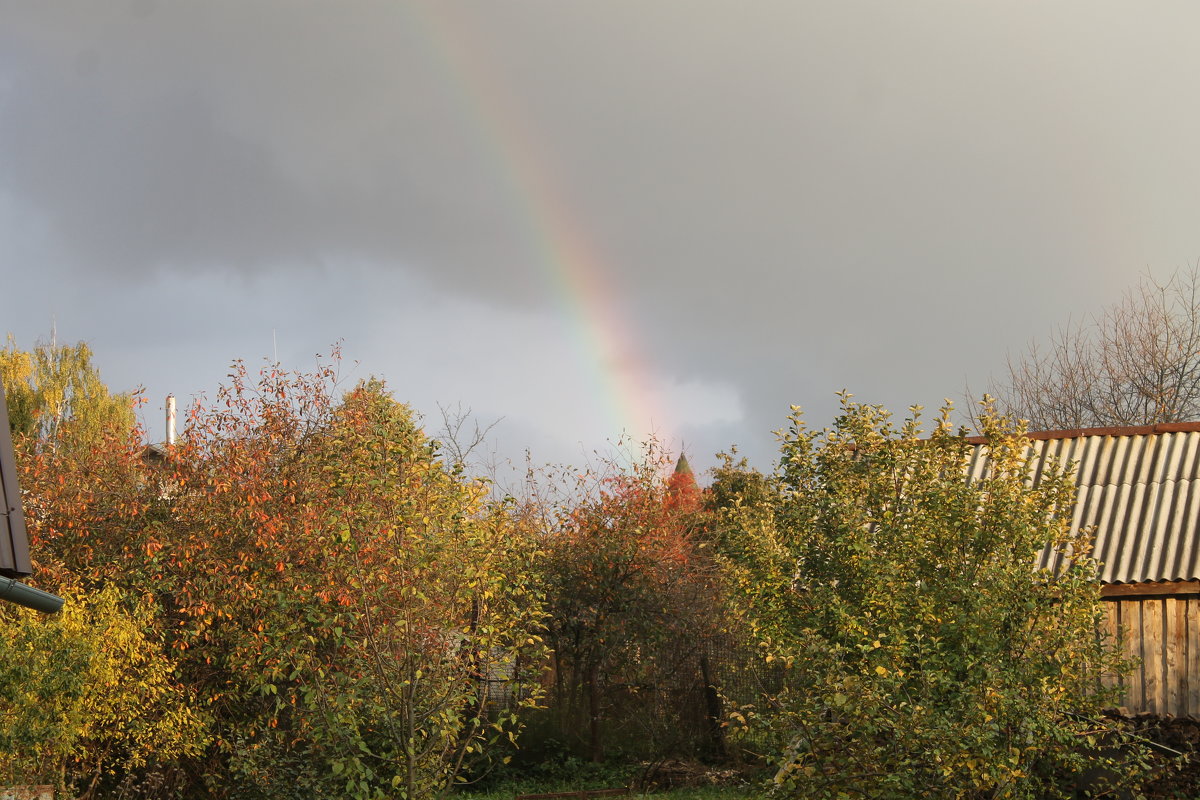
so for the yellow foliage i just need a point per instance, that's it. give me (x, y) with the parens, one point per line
(85, 692)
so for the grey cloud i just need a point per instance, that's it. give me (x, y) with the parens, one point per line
(789, 198)
(148, 166)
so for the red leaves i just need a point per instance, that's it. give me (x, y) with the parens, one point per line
(275, 533)
(629, 592)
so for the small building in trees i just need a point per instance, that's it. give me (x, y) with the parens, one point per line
(1139, 489)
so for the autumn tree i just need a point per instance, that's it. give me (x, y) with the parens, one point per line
(920, 652)
(341, 599)
(350, 616)
(633, 601)
(1136, 362)
(440, 632)
(90, 696)
(56, 385)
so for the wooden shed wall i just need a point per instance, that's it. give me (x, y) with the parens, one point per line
(1162, 634)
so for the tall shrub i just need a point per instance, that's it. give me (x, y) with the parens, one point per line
(922, 654)
(346, 611)
(634, 601)
(345, 602)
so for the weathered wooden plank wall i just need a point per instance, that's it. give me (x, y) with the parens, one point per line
(1161, 634)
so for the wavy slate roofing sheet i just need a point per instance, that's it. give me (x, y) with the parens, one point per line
(1139, 487)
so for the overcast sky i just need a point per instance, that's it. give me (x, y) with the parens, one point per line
(594, 217)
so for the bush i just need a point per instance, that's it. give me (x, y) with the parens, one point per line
(85, 695)
(922, 654)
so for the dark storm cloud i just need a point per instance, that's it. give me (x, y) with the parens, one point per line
(146, 147)
(788, 198)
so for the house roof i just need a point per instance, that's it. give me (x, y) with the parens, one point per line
(14, 542)
(1139, 487)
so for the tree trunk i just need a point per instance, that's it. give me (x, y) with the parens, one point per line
(712, 712)
(595, 743)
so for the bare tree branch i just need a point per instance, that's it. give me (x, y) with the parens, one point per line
(1136, 362)
(461, 435)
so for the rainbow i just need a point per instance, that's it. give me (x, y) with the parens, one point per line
(569, 258)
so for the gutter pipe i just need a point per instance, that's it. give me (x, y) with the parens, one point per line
(14, 591)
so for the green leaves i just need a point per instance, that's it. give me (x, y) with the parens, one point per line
(344, 610)
(424, 589)
(929, 656)
(87, 692)
(633, 601)
(55, 395)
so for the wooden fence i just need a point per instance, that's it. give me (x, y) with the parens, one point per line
(1160, 630)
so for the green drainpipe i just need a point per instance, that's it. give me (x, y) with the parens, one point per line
(14, 591)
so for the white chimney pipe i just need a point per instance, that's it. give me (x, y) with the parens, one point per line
(170, 419)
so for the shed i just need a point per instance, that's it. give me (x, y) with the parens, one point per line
(1140, 489)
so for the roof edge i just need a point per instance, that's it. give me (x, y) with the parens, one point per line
(1125, 430)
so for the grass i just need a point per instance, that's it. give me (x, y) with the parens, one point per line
(577, 776)
(571, 774)
(509, 791)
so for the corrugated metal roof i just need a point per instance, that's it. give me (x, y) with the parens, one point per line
(1139, 487)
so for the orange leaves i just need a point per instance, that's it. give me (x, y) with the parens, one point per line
(280, 523)
(628, 589)
(253, 499)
